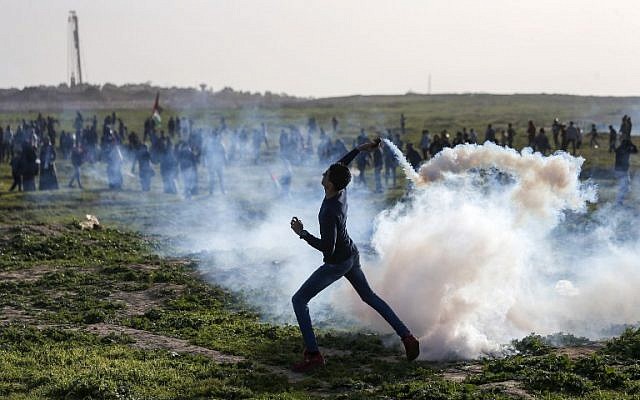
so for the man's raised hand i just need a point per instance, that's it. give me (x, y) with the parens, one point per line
(370, 146)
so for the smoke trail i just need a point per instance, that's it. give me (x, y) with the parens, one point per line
(411, 174)
(477, 257)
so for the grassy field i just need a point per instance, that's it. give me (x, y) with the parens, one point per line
(99, 314)
(114, 313)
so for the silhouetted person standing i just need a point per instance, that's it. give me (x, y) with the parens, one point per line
(489, 134)
(511, 134)
(531, 134)
(555, 131)
(29, 167)
(436, 145)
(215, 158)
(594, 137)
(414, 157)
(171, 126)
(425, 142)
(77, 158)
(114, 165)
(625, 128)
(621, 168)
(145, 170)
(542, 142)
(390, 165)
(168, 165)
(459, 139)
(259, 136)
(16, 171)
(473, 138)
(48, 177)
(613, 138)
(571, 137)
(187, 162)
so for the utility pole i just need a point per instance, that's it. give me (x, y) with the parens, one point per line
(74, 66)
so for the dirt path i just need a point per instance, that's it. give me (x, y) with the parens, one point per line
(25, 275)
(151, 341)
(139, 302)
(11, 315)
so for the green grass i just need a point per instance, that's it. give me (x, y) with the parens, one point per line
(62, 287)
(58, 281)
(52, 353)
(59, 363)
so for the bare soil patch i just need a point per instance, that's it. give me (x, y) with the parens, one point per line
(459, 373)
(580, 351)
(9, 315)
(139, 302)
(27, 274)
(150, 341)
(511, 388)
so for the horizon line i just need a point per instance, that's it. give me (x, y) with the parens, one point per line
(211, 90)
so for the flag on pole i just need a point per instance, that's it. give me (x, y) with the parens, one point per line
(157, 110)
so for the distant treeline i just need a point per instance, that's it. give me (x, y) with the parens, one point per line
(109, 96)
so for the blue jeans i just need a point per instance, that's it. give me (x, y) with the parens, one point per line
(325, 276)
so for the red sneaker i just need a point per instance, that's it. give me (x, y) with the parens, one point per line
(411, 347)
(311, 361)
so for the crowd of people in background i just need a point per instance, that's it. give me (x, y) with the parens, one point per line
(180, 154)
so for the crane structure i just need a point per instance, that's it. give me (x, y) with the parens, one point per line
(74, 66)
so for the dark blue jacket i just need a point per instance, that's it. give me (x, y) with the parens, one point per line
(334, 242)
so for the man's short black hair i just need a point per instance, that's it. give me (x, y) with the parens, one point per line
(339, 175)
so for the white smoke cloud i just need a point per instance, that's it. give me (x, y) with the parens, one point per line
(488, 246)
(477, 258)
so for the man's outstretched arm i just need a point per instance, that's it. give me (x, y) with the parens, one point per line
(347, 158)
(369, 146)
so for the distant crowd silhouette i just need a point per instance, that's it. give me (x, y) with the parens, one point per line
(179, 155)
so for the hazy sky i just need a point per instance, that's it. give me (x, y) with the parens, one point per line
(329, 48)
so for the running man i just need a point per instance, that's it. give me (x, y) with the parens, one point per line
(341, 258)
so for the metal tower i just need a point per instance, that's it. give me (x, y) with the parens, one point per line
(74, 67)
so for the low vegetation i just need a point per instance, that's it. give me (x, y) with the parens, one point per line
(114, 314)
(99, 314)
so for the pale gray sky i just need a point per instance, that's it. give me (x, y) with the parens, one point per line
(332, 47)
